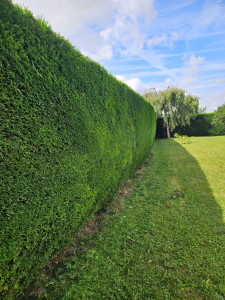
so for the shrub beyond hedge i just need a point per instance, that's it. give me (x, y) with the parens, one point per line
(71, 134)
(199, 126)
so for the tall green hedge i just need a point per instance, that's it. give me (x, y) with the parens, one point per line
(70, 135)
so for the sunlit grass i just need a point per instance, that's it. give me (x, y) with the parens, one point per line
(209, 152)
(162, 238)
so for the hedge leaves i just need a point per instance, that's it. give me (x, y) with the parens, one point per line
(71, 134)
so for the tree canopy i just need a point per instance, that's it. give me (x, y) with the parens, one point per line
(174, 106)
(219, 121)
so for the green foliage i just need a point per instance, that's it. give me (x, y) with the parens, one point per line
(184, 139)
(163, 239)
(218, 121)
(71, 134)
(199, 126)
(155, 100)
(174, 107)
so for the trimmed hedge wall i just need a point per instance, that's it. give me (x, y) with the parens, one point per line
(200, 126)
(71, 134)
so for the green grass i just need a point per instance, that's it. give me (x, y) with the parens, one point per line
(163, 237)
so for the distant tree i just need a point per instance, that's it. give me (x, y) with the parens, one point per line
(219, 121)
(175, 108)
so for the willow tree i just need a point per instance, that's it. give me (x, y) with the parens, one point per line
(174, 107)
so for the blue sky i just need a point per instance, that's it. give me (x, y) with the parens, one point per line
(147, 43)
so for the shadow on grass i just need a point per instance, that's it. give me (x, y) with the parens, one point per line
(192, 223)
(166, 242)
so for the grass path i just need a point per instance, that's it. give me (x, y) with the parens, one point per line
(162, 238)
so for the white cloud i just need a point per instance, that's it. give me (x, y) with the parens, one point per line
(160, 85)
(212, 14)
(190, 53)
(214, 66)
(164, 40)
(101, 53)
(139, 86)
(107, 24)
(212, 100)
(69, 16)
(135, 83)
(127, 32)
(134, 9)
(191, 72)
(219, 81)
(92, 45)
(106, 33)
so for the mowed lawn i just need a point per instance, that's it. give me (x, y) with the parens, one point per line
(163, 237)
